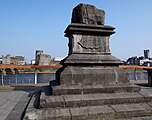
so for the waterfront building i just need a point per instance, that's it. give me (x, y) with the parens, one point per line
(147, 53)
(33, 62)
(17, 60)
(44, 59)
(41, 58)
(143, 60)
(0, 60)
(6, 59)
(37, 54)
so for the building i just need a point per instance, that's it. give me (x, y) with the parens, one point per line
(6, 59)
(33, 62)
(143, 60)
(42, 59)
(0, 60)
(17, 60)
(133, 61)
(147, 54)
(37, 54)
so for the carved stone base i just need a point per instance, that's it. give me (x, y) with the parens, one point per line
(91, 59)
(91, 75)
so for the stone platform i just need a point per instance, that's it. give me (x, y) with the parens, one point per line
(101, 103)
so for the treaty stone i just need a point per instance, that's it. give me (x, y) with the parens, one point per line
(89, 61)
(91, 84)
(88, 14)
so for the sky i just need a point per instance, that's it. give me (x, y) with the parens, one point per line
(30, 25)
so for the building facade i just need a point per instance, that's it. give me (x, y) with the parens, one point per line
(17, 60)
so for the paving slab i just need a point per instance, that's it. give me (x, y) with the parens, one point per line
(92, 113)
(132, 110)
(8, 102)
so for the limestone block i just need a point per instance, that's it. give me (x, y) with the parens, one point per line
(88, 44)
(76, 75)
(88, 14)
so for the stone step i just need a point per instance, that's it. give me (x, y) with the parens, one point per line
(107, 112)
(89, 89)
(93, 99)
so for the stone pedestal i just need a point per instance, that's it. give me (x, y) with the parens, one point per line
(89, 61)
(91, 85)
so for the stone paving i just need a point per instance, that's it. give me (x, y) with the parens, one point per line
(8, 101)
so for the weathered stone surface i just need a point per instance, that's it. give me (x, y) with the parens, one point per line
(93, 75)
(132, 110)
(52, 102)
(88, 39)
(44, 59)
(107, 112)
(89, 44)
(88, 14)
(102, 99)
(92, 113)
(93, 89)
(89, 61)
(54, 114)
(77, 28)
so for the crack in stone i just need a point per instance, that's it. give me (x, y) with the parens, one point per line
(145, 99)
(64, 101)
(116, 79)
(114, 111)
(70, 114)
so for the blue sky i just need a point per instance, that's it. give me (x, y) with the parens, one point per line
(29, 25)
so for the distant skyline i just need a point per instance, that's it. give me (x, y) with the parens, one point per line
(30, 25)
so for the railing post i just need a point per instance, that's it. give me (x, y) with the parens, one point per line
(135, 75)
(2, 77)
(149, 77)
(35, 76)
(16, 78)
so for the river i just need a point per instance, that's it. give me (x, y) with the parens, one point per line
(29, 78)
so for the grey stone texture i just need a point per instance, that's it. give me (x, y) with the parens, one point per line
(37, 54)
(95, 16)
(92, 75)
(94, 100)
(121, 105)
(89, 61)
(42, 59)
(6, 59)
(93, 89)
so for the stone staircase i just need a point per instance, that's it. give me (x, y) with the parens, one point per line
(94, 103)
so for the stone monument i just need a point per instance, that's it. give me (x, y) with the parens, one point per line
(90, 85)
(89, 61)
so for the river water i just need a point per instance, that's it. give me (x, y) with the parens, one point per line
(29, 78)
